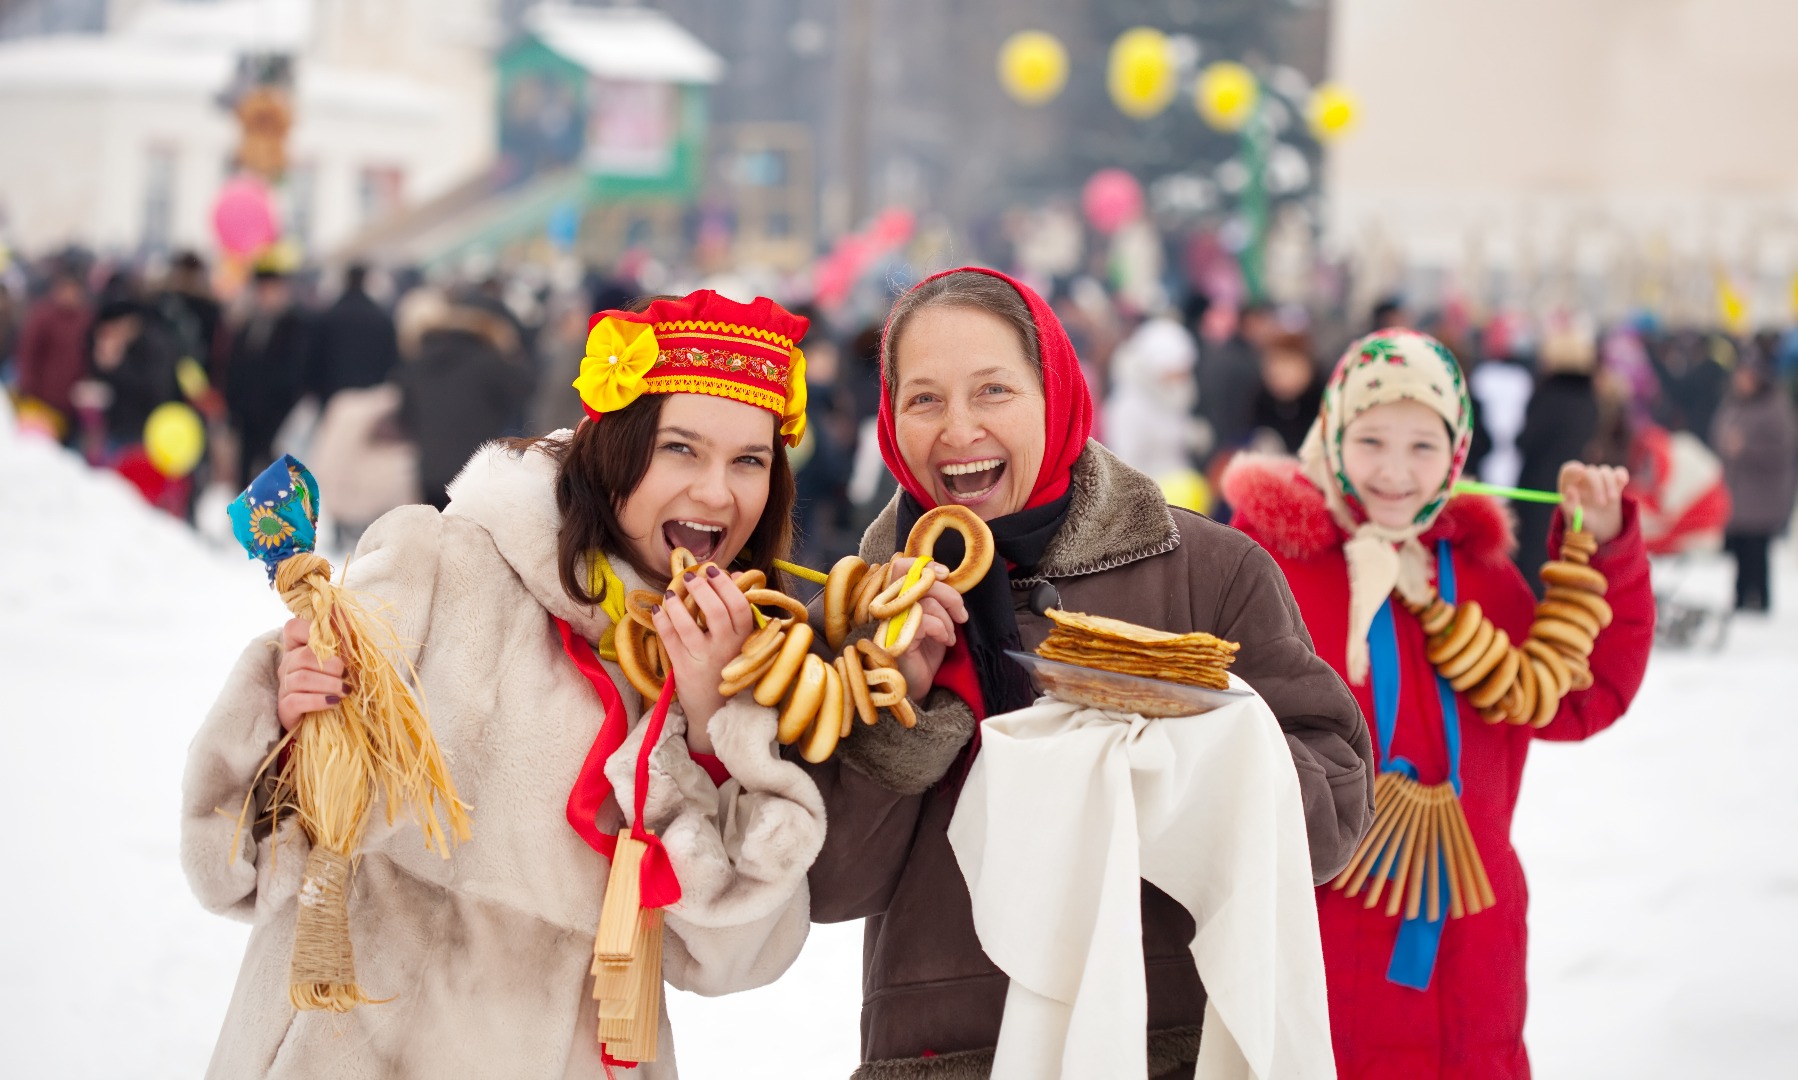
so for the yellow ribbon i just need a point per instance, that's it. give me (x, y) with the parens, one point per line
(896, 624)
(602, 582)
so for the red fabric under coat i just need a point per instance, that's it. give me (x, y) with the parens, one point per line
(1469, 1022)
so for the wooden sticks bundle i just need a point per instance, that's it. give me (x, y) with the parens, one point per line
(1420, 842)
(627, 960)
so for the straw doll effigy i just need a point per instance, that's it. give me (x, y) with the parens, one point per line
(331, 767)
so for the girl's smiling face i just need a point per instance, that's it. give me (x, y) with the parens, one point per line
(968, 409)
(707, 482)
(1397, 458)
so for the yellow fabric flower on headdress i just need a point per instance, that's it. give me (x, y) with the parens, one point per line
(792, 421)
(619, 356)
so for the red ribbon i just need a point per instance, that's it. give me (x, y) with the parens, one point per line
(660, 887)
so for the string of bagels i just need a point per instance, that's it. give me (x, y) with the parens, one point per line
(819, 700)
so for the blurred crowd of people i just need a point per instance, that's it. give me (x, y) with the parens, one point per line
(1704, 419)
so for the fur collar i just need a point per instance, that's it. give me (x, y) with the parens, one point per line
(512, 497)
(1272, 499)
(1117, 516)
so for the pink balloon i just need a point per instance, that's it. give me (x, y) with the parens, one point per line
(243, 216)
(1111, 199)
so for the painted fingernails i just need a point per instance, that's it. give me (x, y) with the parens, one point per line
(711, 571)
(688, 576)
(669, 594)
(656, 610)
(332, 699)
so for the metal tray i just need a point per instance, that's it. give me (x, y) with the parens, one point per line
(1112, 691)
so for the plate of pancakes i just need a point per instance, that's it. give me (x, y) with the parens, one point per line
(1117, 666)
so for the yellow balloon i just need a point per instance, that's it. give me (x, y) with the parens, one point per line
(1033, 66)
(1141, 73)
(1188, 490)
(1227, 95)
(1332, 111)
(174, 439)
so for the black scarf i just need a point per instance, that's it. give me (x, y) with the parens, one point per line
(1019, 540)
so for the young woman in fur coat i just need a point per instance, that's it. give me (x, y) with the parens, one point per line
(1366, 510)
(485, 956)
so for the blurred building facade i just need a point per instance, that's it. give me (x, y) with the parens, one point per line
(117, 139)
(1607, 154)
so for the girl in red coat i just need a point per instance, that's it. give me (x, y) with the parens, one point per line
(1364, 521)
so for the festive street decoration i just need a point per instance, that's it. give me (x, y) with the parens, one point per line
(1227, 95)
(1331, 112)
(1033, 67)
(1141, 73)
(174, 439)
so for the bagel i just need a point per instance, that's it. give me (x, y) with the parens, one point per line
(751, 579)
(977, 540)
(876, 656)
(758, 655)
(1562, 635)
(1453, 666)
(639, 604)
(1491, 658)
(1493, 715)
(1574, 576)
(897, 641)
(839, 593)
(1583, 542)
(1491, 662)
(765, 642)
(827, 722)
(1439, 616)
(1498, 681)
(903, 712)
(1513, 699)
(891, 683)
(900, 595)
(730, 688)
(1552, 660)
(845, 722)
(855, 681)
(785, 670)
(1581, 672)
(1529, 687)
(803, 703)
(1596, 604)
(1573, 613)
(1451, 641)
(1547, 702)
(872, 583)
(632, 643)
(770, 598)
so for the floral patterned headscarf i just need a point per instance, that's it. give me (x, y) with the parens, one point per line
(1380, 369)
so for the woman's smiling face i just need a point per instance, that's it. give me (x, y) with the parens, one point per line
(1397, 457)
(707, 482)
(968, 409)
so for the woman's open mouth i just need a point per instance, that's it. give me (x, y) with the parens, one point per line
(702, 538)
(971, 481)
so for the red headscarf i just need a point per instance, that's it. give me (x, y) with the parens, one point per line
(1067, 403)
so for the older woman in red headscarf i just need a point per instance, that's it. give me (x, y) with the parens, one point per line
(983, 405)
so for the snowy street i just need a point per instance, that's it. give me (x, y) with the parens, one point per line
(1663, 881)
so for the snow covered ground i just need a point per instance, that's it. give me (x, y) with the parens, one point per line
(1663, 878)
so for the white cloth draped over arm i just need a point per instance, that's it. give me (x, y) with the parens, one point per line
(1066, 808)
(741, 850)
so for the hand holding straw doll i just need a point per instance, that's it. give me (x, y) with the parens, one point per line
(329, 768)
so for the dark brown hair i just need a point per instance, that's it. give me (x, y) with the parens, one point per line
(968, 289)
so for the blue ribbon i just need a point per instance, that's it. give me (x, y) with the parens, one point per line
(1414, 954)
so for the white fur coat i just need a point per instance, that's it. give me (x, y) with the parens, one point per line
(486, 954)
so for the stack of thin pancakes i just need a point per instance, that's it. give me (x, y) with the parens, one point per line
(1195, 659)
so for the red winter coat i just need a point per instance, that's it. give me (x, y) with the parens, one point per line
(1469, 1022)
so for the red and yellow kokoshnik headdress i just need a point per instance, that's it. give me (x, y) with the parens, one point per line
(702, 343)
